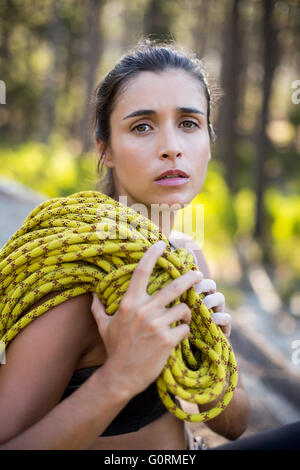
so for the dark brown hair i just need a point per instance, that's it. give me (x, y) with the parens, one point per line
(148, 55)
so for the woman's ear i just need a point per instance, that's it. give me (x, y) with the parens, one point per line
(104, 152)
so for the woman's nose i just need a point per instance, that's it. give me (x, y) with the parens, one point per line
(170, 147)
(171, 154)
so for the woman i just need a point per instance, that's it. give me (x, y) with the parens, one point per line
(152, 116)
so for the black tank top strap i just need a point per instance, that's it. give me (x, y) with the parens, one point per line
(172, 245)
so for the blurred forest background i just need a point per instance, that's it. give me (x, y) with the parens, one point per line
(54, 53)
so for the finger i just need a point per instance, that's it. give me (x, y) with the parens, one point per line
(178, 312)
(223, 320)
(98, 311)
(226, 329)
(140, 276)
(178, 333)
(176, 288)
(216, 300)
(206, 286)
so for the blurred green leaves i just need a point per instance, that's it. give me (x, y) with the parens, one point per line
(53, 170)
(59, 170)
(285, 229)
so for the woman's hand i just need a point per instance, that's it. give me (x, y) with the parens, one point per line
(216, 301)
(138, 338)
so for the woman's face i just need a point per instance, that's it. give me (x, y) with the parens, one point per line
(159, 123)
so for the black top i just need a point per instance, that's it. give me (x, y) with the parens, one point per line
(141, 410)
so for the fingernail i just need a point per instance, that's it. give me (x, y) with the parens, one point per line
(161, 244)
(216, 315)
(199, 272)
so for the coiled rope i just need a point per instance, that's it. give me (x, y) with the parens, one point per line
(89, 242)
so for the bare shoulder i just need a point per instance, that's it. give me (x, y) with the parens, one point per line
(40, 362)
(182, 240)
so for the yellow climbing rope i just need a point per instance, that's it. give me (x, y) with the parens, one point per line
(89, 242)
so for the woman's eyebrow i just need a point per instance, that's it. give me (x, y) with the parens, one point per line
(143, 112)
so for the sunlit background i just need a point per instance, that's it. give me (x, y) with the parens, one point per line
(52, 56)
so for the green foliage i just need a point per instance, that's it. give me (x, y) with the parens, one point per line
(244, 205)
(51, 170)
(220, 218)
(217, 219)
(285, 230)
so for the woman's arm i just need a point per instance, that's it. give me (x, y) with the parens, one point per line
(233, 421)
(39, 364)
(76, 422)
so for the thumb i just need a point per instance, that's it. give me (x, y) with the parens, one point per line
(99, 313)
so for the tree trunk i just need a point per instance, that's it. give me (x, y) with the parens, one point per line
(270, 60)
(202, 13)
(47, 107)
(157, 20)
(230, 76)
(92, 50)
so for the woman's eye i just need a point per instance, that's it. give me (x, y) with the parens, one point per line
(140, 128)
(189, 126)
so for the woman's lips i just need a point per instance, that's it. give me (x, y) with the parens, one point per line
(176, 181)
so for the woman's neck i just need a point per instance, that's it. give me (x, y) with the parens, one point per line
(163, 218)
(166, 221)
